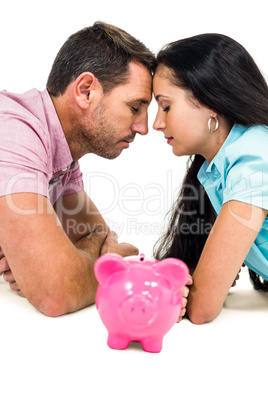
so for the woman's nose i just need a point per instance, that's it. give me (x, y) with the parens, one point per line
(159, 124)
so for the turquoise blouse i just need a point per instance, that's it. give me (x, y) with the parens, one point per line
(239, 172)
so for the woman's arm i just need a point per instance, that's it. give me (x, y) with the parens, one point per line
(227, 246)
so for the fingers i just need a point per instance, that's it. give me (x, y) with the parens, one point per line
(127, 249)
(8, 276)
(236, 279)
(112, 236)
(183, 312)
(111, 245)
(185, 290)
(184, 294)
(3, 265)
(14, 286)
(184, 302)
(189, 281)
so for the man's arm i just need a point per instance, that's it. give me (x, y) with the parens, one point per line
(53, 274)
(86, 228)
(82, 222)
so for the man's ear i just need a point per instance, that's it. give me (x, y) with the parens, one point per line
(86, 88)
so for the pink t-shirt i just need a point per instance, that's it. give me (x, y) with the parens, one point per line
(34, 154)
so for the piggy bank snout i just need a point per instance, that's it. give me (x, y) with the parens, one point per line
(138, 310)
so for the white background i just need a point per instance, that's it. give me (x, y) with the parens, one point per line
(66, 359)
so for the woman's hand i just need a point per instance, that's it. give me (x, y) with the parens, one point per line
(236, 279)
(184, 295)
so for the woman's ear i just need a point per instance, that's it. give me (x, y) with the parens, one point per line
(213, 114)
(85, 88)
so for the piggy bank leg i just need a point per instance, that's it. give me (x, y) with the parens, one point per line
(117, 341)
(153, 345)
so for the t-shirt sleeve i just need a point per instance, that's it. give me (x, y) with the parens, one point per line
(247, 175)
(23, 156)
(75, 181)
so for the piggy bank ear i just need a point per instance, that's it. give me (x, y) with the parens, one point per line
(176, 271)
(106, 265)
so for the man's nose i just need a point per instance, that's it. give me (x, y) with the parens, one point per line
(141, 128)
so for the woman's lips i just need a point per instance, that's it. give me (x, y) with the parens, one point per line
(169, 139)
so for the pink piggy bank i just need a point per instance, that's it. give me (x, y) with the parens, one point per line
(139, 300)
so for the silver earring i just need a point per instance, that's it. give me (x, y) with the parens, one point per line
(216, 124)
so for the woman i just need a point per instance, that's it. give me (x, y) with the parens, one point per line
(213, 105)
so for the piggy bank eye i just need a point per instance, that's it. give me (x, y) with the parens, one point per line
(152, 289)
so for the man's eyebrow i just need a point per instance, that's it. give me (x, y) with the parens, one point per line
(144, 101)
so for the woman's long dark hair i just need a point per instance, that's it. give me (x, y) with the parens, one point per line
(223, 76)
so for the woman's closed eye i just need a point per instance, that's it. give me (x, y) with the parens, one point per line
(165, 106)
(166, 109)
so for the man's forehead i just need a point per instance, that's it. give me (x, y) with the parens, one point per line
(141, 83)
(138, 87)
(139, 71)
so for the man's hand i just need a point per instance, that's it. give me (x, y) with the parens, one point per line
(184, 295)
(7, 274)
(111, 245)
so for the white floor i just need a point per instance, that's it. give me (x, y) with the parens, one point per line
(66, 359)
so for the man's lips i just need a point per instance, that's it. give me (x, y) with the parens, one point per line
(126, 141)
(129, 139)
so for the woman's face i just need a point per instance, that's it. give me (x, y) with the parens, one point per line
(182, 119)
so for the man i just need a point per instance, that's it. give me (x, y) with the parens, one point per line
(96, 101)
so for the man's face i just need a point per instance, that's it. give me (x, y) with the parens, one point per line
(120, 114)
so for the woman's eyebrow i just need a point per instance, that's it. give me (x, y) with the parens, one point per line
(157, 97)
